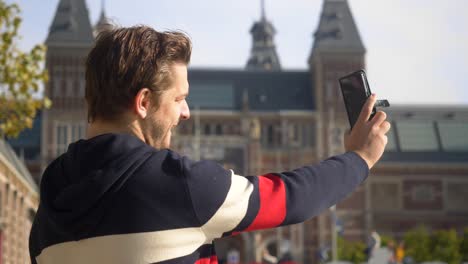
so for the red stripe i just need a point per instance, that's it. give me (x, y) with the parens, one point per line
(272, 203)
(211, 260)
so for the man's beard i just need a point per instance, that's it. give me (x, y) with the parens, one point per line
(154, 133)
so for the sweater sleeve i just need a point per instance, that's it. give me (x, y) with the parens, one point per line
(226, 203)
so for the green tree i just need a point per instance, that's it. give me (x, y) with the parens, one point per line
(445, 246)
(21, 76)
(417, 244)
(385, 239)
(351, 251)
(464, 246)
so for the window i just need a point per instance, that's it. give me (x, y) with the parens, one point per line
(66, 133)
(453, 135)
(81, 89)
(295, 132)
(62, 88)
(77, 132)
(329, 91)
(423, 193)
(15, 194)
(337, 136)
(7, 193)
(61, 139)
(270, 135)
(308, 135)
(211, 95)
(76, 88)
(218, 129)
(207, 129)
(457, 195)
(385, 196)
(56, 87)
(69, 88)
(417, 136)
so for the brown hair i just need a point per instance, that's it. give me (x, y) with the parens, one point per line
(125, 60)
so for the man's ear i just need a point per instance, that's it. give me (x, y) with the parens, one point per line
(142, 102)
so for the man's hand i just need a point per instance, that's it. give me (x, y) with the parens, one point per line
(367, 138)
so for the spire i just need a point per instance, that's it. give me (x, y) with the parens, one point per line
(337, 31)
(103, 4)
(71, 25)
(263, 54)
(263, 10)
(103, 23)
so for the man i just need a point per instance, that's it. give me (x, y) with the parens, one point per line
(122, 196)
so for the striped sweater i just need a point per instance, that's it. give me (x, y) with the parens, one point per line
(114, 199)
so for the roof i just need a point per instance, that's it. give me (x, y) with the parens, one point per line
(29, 140)
(427, 134)
(7, 152)
(224, 89)
(337, 31)
(71, 25)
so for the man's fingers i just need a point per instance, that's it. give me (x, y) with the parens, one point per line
(379, 118)
(367, 109)
(385, 126)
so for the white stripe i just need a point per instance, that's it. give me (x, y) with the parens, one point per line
(146, 247)
(155, 246)
(233, 210)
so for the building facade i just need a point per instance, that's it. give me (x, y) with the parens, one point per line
(18, 203)
(263, 118)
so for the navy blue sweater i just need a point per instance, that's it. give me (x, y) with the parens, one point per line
(115, 199)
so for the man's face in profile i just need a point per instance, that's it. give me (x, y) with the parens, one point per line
(172, 108)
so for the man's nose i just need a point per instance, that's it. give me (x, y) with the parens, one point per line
(185, 113)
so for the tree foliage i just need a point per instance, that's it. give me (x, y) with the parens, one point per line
(351, 251)
(464, 245)
(21, 76)
(445, 246)
(417, 244)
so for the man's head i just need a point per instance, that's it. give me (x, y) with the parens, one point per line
(138, 77)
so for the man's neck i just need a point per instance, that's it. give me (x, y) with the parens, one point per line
(99, 127)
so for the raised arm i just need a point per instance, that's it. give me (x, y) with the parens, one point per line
(227, 203)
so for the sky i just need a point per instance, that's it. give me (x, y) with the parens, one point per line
(417, 51)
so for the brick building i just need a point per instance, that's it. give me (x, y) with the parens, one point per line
(264, 118)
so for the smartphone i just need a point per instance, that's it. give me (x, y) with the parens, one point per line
(355, 90)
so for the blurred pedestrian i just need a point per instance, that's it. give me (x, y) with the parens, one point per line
(400, 252)
(391, 249)
(373, 244)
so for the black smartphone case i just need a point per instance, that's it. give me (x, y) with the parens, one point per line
(362, 75)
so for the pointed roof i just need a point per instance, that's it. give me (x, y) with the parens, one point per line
(71, 25)
(337, 31)
(263, 55)
(104, 22)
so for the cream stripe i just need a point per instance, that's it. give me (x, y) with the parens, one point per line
(233, 210)
(159, 245)
(146, 247)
